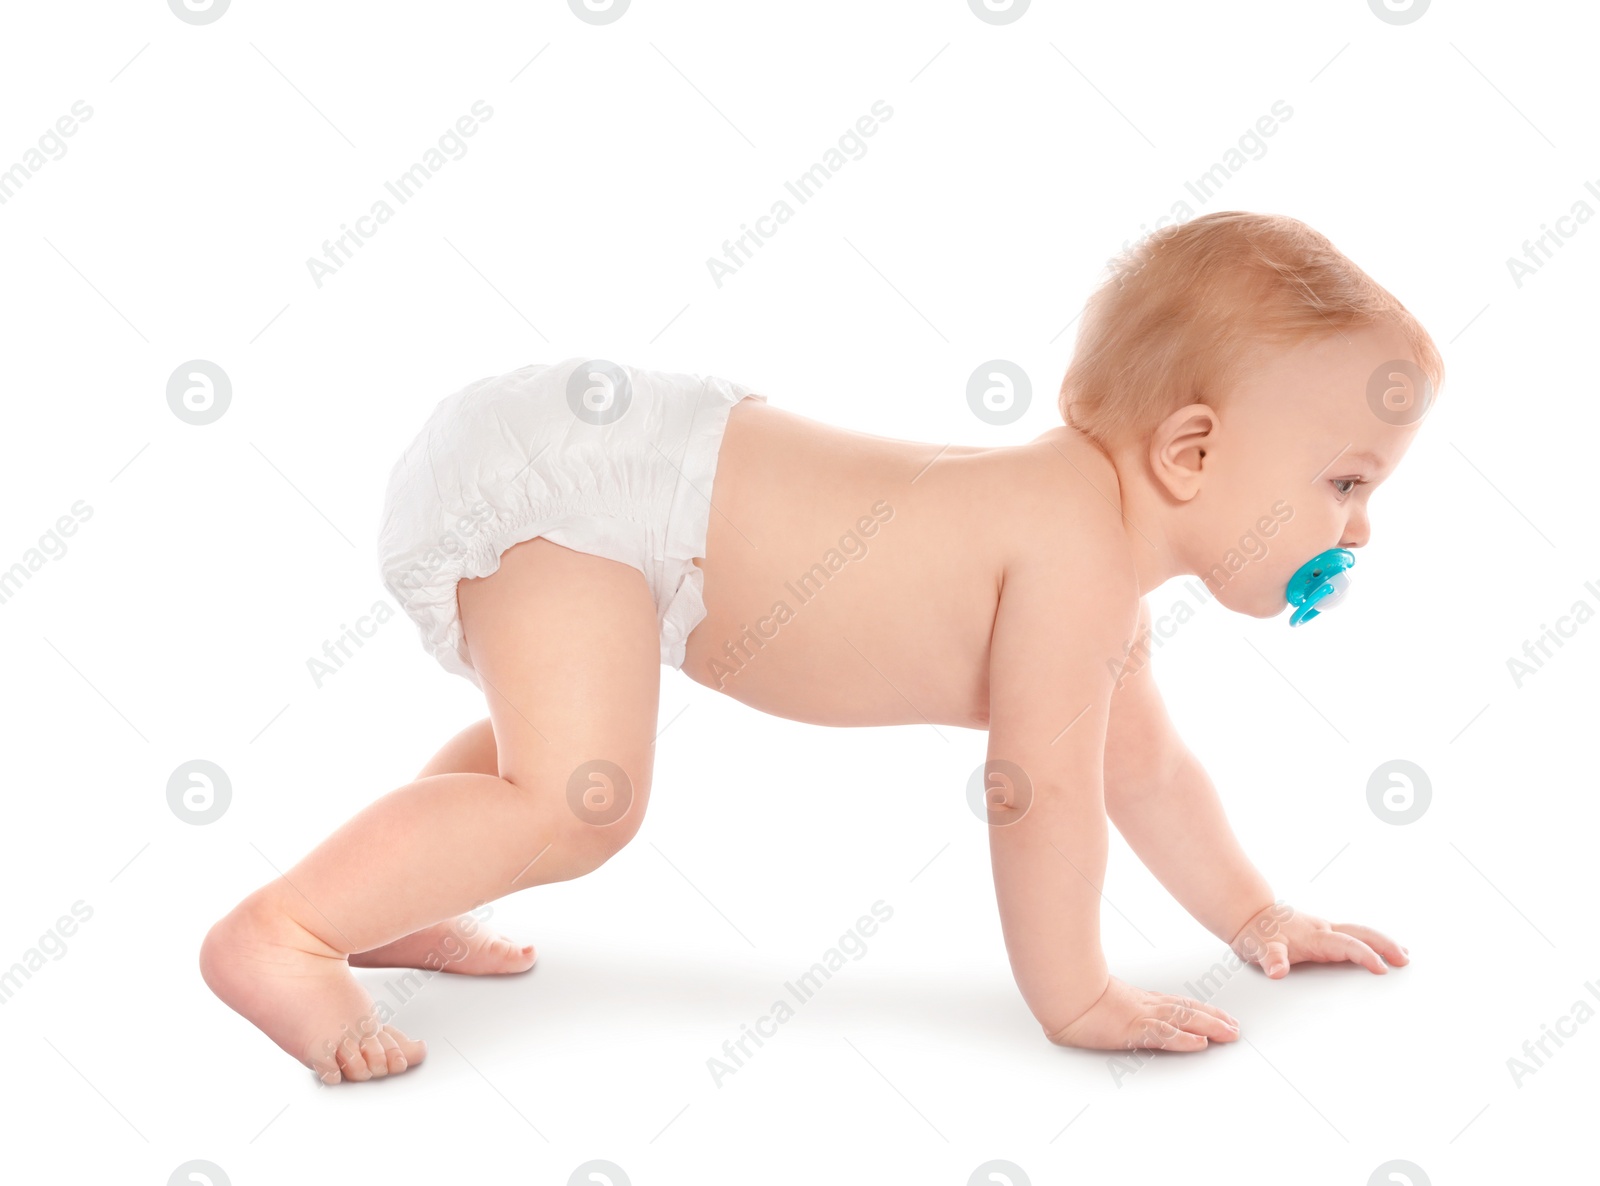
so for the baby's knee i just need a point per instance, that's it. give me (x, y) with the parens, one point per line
(598, 809)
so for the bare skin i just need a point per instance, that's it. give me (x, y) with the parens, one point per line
(250, 954)
(858, 580)
(459, 945)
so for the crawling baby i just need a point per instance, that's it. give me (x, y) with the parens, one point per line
(559, 532)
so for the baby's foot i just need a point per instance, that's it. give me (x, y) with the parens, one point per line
(459, 945)
(300, 993)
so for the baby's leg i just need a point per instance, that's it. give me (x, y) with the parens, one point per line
(568, 650)
(462, 944)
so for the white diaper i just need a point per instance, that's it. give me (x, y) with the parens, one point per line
(596, 456)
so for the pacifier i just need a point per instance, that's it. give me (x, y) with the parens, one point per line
(1319, 583)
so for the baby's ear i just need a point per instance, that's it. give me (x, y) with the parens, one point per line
(1178, 449)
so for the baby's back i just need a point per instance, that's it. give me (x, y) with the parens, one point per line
(853, 579)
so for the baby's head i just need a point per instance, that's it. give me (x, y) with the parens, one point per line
(1252, 386)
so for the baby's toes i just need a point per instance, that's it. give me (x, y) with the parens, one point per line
(412, 1051)
(352, 1062)
(394, 1058)
(326, 1066)
(377, 1057)
(512, 957)
(497, 955)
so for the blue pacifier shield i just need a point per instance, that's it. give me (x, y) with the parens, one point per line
(1319, 583)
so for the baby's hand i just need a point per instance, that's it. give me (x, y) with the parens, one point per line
(1279, 936)
(1126, 1017)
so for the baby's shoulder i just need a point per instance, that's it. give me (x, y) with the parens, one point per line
(1069, 594)
(1066, 559)
(1068, 506)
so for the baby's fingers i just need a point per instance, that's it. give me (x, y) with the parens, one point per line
(1334, 946)
(1155, 1034)
(1377, 940)
(1273, 958)
(1206, 1020)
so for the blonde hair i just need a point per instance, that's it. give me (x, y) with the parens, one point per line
(1185, 307)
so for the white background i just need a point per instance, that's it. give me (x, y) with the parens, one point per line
(218, 559)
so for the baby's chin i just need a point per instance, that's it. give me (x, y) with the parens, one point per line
(1257, 603)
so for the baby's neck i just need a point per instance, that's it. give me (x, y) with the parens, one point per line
(1147, 521)
(1147, 518)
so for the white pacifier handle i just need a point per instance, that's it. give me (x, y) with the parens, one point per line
(1341, 588)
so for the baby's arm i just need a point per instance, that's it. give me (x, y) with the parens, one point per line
(1166, 808)
(1050, 696)
(1164, 804)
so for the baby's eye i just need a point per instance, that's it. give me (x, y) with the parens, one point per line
(1345, 485)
